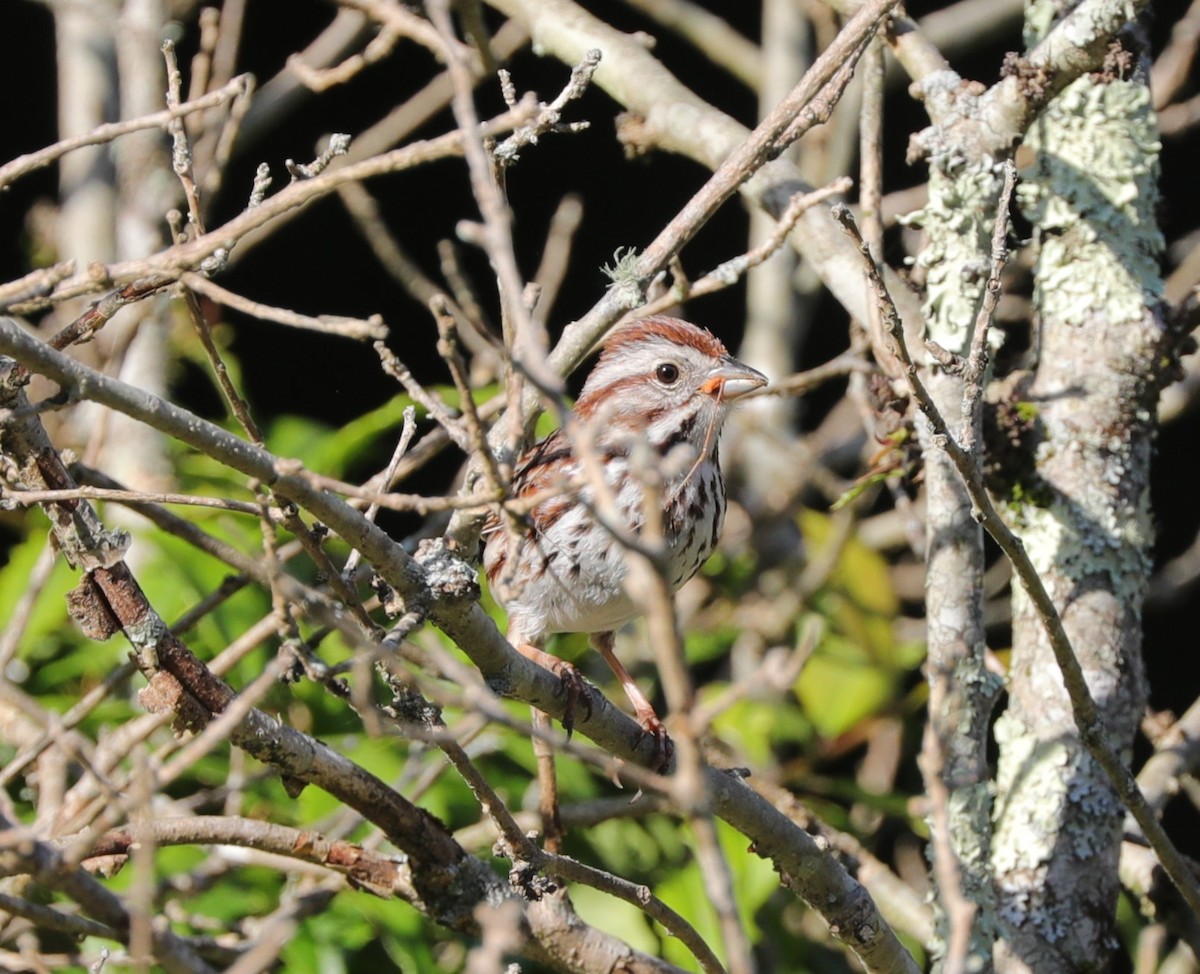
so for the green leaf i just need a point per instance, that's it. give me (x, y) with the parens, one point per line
(49, 619)
(615, 916)
(841, 684)
(708, 645)
(861, 572)
(755, 728)
(332, 450)
(625, 847)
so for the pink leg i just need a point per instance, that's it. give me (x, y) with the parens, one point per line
(642, 708)
(572, 682)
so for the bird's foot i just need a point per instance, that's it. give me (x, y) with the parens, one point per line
(664, 747)
(571, 683)
(575, 688)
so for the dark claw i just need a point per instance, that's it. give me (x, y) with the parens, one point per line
(664, 747)
(576, 689)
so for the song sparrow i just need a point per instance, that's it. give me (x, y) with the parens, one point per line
(664, 381)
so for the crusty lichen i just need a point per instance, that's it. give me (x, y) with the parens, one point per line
(1090, 193)
(958, 221)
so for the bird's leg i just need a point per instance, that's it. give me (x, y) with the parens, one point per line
(572, 683)
(642, 708)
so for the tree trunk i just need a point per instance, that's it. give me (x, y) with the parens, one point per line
(1084, 516)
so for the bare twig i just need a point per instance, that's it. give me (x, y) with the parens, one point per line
(25, 164)
(14, 629)
(731, 271)
(356, 328)
(976, 367)
(555, 255)
(549, 116)
(1170, 71)
(322, 79)
(407, 432)
(238, 406)
(432, 404)
(449, 350)
(711, 35)
(407, 24)
(10, 498)
(181, 152)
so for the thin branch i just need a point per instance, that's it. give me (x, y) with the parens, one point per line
(22, 165)
(11, 498)
(399, 123)
(322, 79)
(181, 152)
(48, 918)
(976, 366)
(408, 24)
(1170, 72)
(733, 270)
(1177, 753)
(556, 254)
(710, 35)
(430, 402)
(356, 328)
(22, 612)
(407, 432)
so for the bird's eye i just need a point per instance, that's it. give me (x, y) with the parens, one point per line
(667, 373)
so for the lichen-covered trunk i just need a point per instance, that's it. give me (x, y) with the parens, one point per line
(1084, 515)
(963, 199)
(961, 691)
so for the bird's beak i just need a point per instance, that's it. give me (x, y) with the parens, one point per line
(731, 380)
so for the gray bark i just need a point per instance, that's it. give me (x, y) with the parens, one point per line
(958, 221)
(1084, 514)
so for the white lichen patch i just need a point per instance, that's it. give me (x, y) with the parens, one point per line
(1091, 192)
(958, 220)
(1087, 532)
(1026, 832)
(1040, 16)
